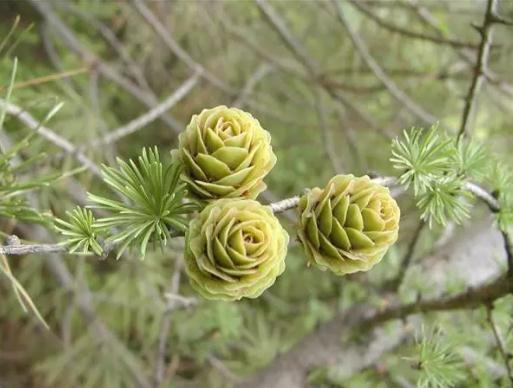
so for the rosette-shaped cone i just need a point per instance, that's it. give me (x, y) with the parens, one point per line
(226, 154)
(349, 225)
(234, 249)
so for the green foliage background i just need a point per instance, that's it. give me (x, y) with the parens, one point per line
(211, 342)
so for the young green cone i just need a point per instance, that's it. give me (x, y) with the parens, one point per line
(226, 154)
(349, 225)
(234, 249)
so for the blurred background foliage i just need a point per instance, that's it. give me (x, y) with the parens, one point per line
(327, 113)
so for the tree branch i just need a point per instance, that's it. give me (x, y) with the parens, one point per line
(323, 348)
(151, 115)
(470, 299)
(147, 97)
(27, 119)
(284, 204)
(481, 65)
(499, 342)
(184, 56)
(165, 327)
(411, 34)
(406, 260)
(380, 74)
(21, 249)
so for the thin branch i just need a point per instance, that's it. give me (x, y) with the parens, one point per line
(292, 202)
(494, 207)
(45, 132)
(328, 141)
(411, 34)
(380, 74)
(147, 97)
(242, 38)
(49, 78)
(319, 347)
(508, 247)
(21, 249)
(165, 327)
(284, 204)
(470, 299)
(250, 84)
(290, 40)
(151, 115)
(111, 38)
(407, 258)
(481, 66)
(499, 342)
(484, 196)
(465, 54)
(168, 39)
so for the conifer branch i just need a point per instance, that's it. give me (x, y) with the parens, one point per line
(285, 204)
(480, 67)
(173, 45)
(48, 134)
(470, 299)
(147, 97)
(165, 327)
(292, 202)
(151, 115)
(27, 249)
(380, 74)
(499, 342)
(14, 247)
(406, 260)
(408, 33)
(297, 362)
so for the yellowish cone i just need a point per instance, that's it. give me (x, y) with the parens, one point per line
(234, 249)
(225, 153)
(349, 225)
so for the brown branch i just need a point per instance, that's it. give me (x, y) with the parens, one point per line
(480, 67)
(318, 348)
(380, 74)
(499, 342)
(470, 299)
(411, 34)
(465, 54)
(48, 78)
(407, 258)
